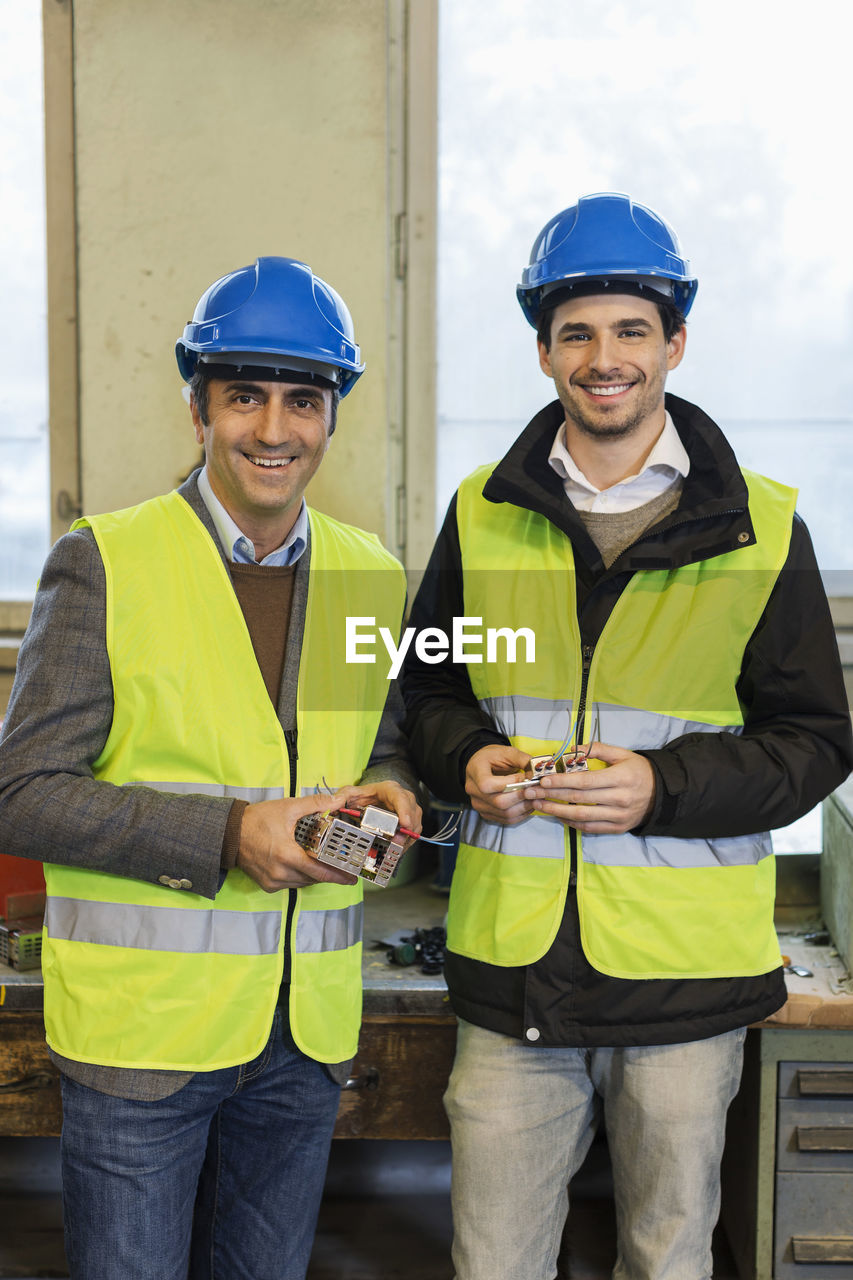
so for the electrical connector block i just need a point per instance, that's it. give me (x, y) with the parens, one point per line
(568, 758)
(541, 765)
(366, 842)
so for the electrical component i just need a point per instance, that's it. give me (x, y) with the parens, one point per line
(541, 765)
(20, 942)
(366, 842)
(568, 758)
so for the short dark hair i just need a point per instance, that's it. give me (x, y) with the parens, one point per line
(671, 318)
(200, 382)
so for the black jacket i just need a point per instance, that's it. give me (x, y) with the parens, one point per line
(795, 748)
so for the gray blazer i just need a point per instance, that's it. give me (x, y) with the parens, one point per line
(58, 719)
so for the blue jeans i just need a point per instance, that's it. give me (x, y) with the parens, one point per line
(220, 1181)
(522, 1120)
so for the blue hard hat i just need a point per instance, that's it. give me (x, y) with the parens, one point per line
(606, 237)
(275, 314)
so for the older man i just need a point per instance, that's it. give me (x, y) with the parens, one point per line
(181, 699)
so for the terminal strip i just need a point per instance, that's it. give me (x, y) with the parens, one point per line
(568, 758)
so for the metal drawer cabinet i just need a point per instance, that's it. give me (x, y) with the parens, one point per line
(786, 1202)
(813, 1235)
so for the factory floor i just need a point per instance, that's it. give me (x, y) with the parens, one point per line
(385, 1214)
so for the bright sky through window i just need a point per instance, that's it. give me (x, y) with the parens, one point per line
(23, 343)
(732, 120)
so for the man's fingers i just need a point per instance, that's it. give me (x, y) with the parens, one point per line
(493, 784)
(607, 752)
(387, 795)
(569, 793)
(505, 817)
(594, 819)
(290, 872)
(319, 802)
(491, 768)
(573, 787)
(321, 871)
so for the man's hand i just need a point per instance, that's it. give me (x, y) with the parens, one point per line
(268, 852)
(388, 795)
(487, 774)
(599, 801)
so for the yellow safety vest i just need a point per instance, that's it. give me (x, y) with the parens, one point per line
(666, 664)
(139, 975)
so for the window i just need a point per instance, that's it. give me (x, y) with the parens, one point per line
(729, 120)
(24, 502)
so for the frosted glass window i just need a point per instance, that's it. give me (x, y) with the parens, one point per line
(730, 119)
(24, 501)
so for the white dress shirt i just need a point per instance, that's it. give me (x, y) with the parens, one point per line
(667, 461)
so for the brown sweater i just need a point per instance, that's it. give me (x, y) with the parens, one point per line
(265, 594)
(613, 531)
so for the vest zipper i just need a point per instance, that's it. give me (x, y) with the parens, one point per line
(587, 652)
(293, 756)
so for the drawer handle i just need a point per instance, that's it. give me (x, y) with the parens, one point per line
(828, 1138)
(837, 1084)
(26, 1084)
(368, 1080)
(831, 1249)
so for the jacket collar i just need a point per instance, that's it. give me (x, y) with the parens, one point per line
(711, 518)
(189, 491)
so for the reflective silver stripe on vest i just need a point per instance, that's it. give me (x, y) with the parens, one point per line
(187, 930)
(253, 794)
(667, 851)
(523, 716)
(520, 716)
(329, 930)
(535, 837)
